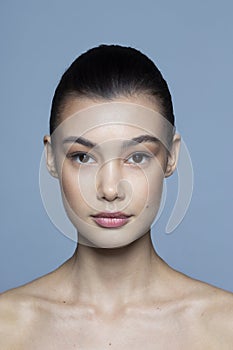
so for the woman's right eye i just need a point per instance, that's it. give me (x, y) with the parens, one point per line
(81, 158)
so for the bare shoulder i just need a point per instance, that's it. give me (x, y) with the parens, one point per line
(215, 301)
(16, 312)
(21, 311)
(218, 316)
(212, 315)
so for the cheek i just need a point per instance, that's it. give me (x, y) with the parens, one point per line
(139, 190)
(151, 206)
(146, 188)
(78, 187)
(154, 193)
(69, 184)
(155, 183)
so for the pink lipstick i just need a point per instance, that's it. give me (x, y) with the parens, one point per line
(111, 220)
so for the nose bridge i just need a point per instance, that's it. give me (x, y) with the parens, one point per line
(108, 179)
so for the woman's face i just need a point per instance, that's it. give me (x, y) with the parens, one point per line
(111, 163)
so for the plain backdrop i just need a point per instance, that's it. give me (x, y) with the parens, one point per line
(192, 44)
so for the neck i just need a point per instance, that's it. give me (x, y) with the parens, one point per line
(113, 277)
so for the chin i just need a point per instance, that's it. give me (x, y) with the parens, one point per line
(109, 239)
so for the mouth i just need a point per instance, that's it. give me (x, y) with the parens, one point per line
(111, 220)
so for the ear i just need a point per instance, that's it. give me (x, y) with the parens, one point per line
(50, 158)
(173, 156)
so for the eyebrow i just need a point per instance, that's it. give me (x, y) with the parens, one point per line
(140, 139)
(127, 143)
(80, 140)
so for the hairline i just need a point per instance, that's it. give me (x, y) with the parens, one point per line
(75, 95)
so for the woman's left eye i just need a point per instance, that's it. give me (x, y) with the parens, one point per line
(138, 158)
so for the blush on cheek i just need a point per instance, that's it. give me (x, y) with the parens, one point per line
(70, 190)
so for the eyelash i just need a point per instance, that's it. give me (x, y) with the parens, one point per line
(146, 157)
(74, 156)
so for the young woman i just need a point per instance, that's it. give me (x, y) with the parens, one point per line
(112, 142)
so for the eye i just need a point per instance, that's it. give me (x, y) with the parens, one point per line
(138, 158)
(81, 158)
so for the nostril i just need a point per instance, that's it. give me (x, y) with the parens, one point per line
(109, 194)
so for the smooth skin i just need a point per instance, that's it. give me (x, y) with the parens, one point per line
(115, 292)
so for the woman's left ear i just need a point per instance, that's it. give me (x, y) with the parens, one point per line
(173, 156)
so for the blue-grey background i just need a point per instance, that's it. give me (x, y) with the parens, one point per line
(192, 44)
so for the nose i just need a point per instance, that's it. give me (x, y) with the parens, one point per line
(108, 181)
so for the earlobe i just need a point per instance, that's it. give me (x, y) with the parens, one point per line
(50, 158)
(173, 156)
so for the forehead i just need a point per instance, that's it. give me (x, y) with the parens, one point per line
(112, 120)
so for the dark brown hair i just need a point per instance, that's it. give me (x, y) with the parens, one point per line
(110, 71)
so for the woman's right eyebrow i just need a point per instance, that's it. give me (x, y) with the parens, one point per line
(80, 140)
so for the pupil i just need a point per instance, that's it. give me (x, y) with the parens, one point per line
(137, 158)
(83, 158)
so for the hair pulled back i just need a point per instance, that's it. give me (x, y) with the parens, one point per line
(108, 72)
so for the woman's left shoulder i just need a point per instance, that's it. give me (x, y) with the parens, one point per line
(215, 315)
(215, 299)
(219, 302)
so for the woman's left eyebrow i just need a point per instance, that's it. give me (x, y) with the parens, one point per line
(140, 139)
(127, 143)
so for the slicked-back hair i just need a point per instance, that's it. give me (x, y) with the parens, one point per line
(110, 71)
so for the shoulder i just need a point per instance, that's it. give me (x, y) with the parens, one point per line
(212, 315)
(16, 313)
(206, 312)
(217, 317)
(22, 310)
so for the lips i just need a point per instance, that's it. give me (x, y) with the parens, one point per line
(111, 220)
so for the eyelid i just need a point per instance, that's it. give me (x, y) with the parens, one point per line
(142, 148)
(77, 153)
(147, 156)
(145, 153)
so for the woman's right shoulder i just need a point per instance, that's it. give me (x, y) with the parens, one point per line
(16, 314)
(20, 310)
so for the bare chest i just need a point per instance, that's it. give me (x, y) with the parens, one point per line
(145, 332)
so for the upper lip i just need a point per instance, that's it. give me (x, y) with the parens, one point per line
(117, 214)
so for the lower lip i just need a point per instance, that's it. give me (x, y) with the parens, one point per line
(111, 222)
